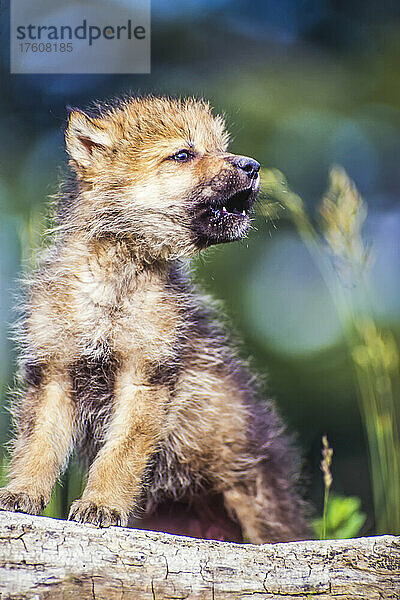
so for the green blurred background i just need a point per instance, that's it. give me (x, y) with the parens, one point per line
(303, 85)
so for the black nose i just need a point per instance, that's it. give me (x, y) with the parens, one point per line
(249, 166)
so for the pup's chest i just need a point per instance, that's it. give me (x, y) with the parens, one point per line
(142, 320)
(148, 321)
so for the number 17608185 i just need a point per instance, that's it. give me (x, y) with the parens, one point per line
(46, 47)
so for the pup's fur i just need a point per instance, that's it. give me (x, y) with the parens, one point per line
(123, 359)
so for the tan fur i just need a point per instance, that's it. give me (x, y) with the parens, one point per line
(115, 475)
(36, 464)
(121, 357)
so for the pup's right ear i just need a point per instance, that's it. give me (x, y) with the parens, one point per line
(86, 138)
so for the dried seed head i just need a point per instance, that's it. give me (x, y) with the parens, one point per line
(343, 213)
(327, 453)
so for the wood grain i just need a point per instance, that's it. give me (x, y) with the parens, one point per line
(42, 558)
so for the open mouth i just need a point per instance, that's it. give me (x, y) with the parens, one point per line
(224, 219)
(237, 206)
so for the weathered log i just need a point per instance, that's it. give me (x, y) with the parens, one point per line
(42, 558)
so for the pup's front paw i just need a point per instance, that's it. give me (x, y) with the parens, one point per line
(21, 502)
(85, 511)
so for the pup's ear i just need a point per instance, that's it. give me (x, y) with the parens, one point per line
(85, 138)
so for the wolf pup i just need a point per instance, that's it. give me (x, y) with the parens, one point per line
(122, 359)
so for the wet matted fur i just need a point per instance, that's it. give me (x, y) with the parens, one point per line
(125, 361)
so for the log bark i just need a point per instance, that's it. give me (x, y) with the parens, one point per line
(42, 558)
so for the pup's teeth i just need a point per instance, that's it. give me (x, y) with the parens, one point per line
(244, 213)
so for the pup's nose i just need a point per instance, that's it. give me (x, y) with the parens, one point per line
(249, 165)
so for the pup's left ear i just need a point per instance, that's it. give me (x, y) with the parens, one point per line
(85, 138)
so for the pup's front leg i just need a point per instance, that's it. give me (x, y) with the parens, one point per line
(115, 476)
(46, 421)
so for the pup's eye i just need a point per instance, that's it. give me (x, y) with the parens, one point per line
(182, 156)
